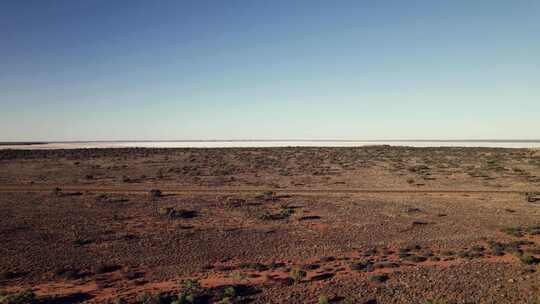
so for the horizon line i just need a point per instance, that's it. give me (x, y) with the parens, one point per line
(273, 140)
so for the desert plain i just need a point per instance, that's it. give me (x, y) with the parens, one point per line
(375, 224)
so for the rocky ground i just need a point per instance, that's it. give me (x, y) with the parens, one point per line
(270, 225)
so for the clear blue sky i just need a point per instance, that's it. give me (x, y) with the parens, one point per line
(101, 69)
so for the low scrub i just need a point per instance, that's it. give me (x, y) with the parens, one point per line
(23, 297)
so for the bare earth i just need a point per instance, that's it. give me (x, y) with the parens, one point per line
(271, 225)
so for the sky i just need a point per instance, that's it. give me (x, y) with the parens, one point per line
(258, 69)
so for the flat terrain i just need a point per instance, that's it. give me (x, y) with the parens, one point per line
(271, 225)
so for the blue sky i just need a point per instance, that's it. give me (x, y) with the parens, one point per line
(106, 70)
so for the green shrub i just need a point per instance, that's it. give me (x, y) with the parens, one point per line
(23, 297)
(225, 300)
(230, 292)
(155, 193)
(190, 292)
(514, 231)
(57, 191)
(297, 274)
(527, 259)
(269, 196)
(284, 213)
(379, 278)
(323, 300)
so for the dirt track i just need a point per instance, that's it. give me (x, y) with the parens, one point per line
(15, 188)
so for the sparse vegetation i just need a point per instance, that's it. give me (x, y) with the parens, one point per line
(120, 301)
(523, 231)
(340, 239)
(379, 278)
(173, 213)
(284, 213)
(23, 297)
(297, 274)
(155, 193)
(7, 275)
(230, 292)
(57, 191)
(105, 268)
(532, 197)
(190, 293)
(235, 202)
(323, 300)
(269, 196)
(526, 258)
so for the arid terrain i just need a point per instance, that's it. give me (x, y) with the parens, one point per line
(373, 224)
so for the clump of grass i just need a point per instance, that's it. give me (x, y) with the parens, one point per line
(284, 213)
(497, 249)
(7, 275)
(120, 301)
(522, 231)
(82, 242)
(256, 266)
(225, 300)
(57, 191)
(385, 265)
(514, 231)
(447, 253)
(106, 268)
(534, 230)
(370, 252)
(23, 297)
(269, 196)
(234, 202)
(228, 296)
(147, 298)
(297, 274)
(535, 250)
(478, 248)
(367, 266)
(68, 273)
(190, 284)
(526, 258)
(230, 292)
(466, 254)
(238, 276)
(190, 292)
(160, 174)
(327, 259)
(177, 213)
(514, 247)
(323, 300)
(155, 193)
(267, 216)
(532, 197)
(415, 258)
(379, 278)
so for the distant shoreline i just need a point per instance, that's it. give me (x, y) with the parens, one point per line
(23, 143)
(16, 143)
(485, 143)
